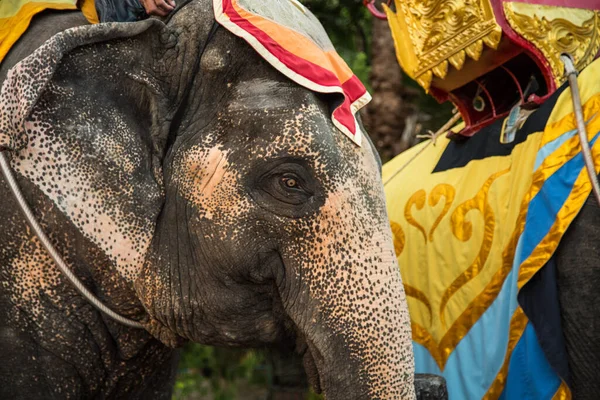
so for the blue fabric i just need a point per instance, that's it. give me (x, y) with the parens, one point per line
(475, 362)
(550, 147)
(530, 376)
(546, 204)
(539, 300)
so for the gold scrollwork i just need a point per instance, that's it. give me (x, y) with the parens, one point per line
(399, 240)
(463, 230)
(417, 294)
(398, 237)
(441, 351)
(441, 190)
(418, 200)
(556, 30)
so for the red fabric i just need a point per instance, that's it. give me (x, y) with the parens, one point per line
(352, 89)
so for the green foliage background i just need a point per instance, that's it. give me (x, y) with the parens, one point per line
(221, 374)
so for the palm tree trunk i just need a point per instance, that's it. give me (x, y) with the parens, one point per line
(391, 117)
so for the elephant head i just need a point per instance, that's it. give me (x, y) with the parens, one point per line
(221, 193)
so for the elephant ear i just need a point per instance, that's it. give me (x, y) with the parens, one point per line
(79, 115)
(71, 58)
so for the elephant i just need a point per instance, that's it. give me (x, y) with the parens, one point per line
(195, 189)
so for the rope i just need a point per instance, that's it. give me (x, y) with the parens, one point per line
(94, 301)
(571, 73)
(433, 137)
(14, 187)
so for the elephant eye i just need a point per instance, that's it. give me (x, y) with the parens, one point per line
(289, 182)
(287, 187)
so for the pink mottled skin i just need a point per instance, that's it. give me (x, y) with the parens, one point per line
(212, 201)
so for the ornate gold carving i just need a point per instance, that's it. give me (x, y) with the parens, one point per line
(556, 30)
(474, 50)
(429, 34)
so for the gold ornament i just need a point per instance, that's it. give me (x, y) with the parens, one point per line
(556, 30)
(429, 34)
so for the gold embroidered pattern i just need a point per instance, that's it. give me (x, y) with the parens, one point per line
(441, 190)
(415, 293)
(440, 352)
(398, 237)
(463, 229)
(418, 200)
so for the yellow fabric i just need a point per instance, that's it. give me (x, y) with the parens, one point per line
(562, 119)
(589, 86)
(518, 323)
(475, 215)
(563, 393)
(88, 8)
(463, 225)
(581, 188)
(16, 15)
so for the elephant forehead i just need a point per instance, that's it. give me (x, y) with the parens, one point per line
(251, 134)
(297, 134)
(265, 94)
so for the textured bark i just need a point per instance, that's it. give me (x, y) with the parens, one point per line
(391, 117)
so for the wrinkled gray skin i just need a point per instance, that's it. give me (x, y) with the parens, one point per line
(578, 278)
(197, 190)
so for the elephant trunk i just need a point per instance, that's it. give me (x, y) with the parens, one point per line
(357, 330)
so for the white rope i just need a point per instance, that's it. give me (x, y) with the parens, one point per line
(14, 187)
(571, 73)
(433, 137)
